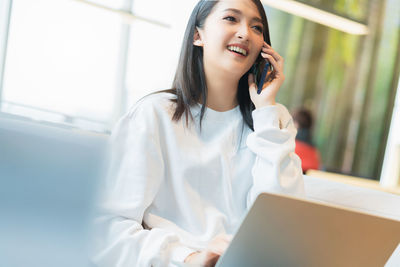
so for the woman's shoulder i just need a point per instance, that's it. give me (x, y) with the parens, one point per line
(148, 114)
(155, 104)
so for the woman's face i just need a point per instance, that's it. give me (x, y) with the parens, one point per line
(232, 37)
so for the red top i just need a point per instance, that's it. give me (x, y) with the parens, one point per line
(308, 154)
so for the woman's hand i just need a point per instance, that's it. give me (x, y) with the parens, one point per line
(273, 81)
(211, 254)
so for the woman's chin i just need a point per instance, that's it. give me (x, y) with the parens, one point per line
(235, 67)
(232, 70)
(237, 72)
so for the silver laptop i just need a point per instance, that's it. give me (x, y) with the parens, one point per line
(286, 231)
(48, 181)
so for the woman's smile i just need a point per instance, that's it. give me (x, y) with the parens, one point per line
(239, 50)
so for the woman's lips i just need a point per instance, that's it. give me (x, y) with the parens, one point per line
(237, 54)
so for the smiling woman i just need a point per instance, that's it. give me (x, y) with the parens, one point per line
(189, 162)
(225, 27)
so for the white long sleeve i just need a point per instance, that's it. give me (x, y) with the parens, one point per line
(277, 168)
(135, 177)
(187, 184)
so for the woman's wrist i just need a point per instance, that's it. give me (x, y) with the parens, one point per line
(265, 104)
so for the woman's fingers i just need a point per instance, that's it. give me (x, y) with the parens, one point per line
(252, 85)
(267, 49)
(251, 80)
(211, 254)
(211, 259)
(219, 244)
(272, 61)
(272, 52)
(203, 258)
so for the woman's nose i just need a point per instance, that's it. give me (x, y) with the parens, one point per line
(243, 32)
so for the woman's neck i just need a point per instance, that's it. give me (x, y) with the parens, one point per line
(221, 91)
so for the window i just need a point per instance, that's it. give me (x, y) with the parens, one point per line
(61, 60)
(83, 63)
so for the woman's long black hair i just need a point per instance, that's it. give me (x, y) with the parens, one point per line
(189, 84)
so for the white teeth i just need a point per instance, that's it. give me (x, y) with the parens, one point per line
(238, 49)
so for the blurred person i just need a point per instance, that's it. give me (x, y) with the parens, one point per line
(305, 148)
(189, 162)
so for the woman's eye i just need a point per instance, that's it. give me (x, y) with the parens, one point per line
(230, 18)
(258, 28)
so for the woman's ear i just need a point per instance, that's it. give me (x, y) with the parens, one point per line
(197, 38)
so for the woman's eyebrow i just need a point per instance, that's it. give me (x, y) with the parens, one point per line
(237, 11)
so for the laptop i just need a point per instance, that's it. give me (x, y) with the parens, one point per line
(49, 176)
(287, 231)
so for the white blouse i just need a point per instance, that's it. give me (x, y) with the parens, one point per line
(173, 187)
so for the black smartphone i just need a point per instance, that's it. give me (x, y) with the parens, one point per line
(260, 70)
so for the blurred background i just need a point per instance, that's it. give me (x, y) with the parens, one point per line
(84, 63)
